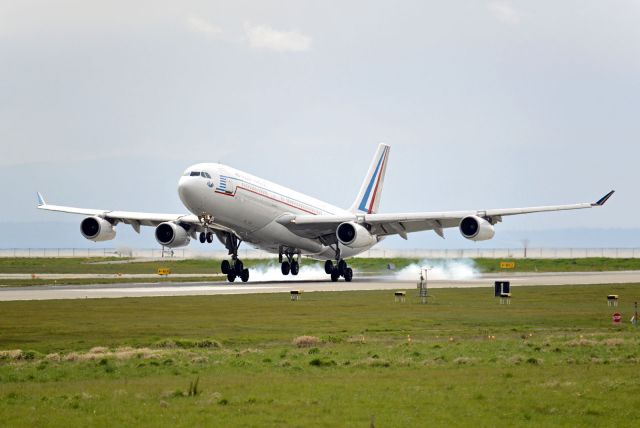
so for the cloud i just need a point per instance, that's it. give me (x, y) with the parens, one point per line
(199, 25)
(504, 11)
(264, 37)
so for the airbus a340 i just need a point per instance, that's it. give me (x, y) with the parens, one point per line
(238, 207)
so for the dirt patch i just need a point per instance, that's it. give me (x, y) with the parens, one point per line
(465, 360)
(306, 341)
(582, 342)
(99, 353)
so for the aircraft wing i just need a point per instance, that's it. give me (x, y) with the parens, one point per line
(135, 219)
(324, 226)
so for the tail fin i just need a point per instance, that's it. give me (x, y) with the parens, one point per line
(369, 196)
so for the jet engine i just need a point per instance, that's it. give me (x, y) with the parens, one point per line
(97, 229)
(476, 228)
(354, 235)
(172, 235)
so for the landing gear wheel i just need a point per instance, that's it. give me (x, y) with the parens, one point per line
(348, 274)
(342, 267)
(231, 276)
(335, 275)
(202, 237)
(295, 267)
(238, 266)
(328, 267)
(209, 237)
(225, 267)
(285, 268)
(245, 275)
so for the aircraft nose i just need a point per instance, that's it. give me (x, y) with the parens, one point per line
(185, 189)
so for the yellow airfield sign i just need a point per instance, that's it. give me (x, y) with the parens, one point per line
(164, 271)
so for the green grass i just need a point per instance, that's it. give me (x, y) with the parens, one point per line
(552, 357)
(210, 266)
(592, 264)
(97, 265)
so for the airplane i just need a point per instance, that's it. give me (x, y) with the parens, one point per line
(238, 207)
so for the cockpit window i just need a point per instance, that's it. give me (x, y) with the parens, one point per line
(205, 174)
(195, 173)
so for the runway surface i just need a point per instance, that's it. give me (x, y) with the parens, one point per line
(138, 289)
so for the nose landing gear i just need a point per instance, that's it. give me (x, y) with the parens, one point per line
(206, 237)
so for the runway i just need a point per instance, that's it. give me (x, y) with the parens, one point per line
(140, 289)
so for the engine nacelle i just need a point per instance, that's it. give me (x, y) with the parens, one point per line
(476, 228)
(97, 229)
(172, 235)
(354, 235)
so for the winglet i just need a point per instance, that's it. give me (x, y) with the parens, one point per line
(41, 200)
(604, 199)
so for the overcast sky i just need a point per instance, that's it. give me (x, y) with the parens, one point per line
(486, 104)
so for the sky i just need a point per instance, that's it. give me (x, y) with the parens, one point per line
(486, 104)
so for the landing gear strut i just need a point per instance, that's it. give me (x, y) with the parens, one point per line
(234, 268)
(292, 264)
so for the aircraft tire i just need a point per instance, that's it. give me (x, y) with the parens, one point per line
(335, 275)
(285, 268)
(231, 276)
(328, 267)
(245, 275)
(342, 267)
(202, 237)
(238, 266)
(295, 267)
(209, 237)
(225, 267)
(348, 274)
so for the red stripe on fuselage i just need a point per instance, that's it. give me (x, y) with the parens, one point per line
(268, 197)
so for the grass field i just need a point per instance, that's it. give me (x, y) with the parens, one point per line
(552, 357)
(594, 264)
(208, 266)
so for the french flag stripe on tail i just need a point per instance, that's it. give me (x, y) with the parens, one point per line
(373, 188)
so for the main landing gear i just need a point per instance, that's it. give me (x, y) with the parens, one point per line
(234, 268)
(291, 265)
(341, 269)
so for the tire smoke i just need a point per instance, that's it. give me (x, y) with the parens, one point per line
(440, 269)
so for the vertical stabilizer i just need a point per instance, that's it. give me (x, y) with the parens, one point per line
(368, 198)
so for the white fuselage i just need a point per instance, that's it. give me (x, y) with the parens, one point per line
(251, 206)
